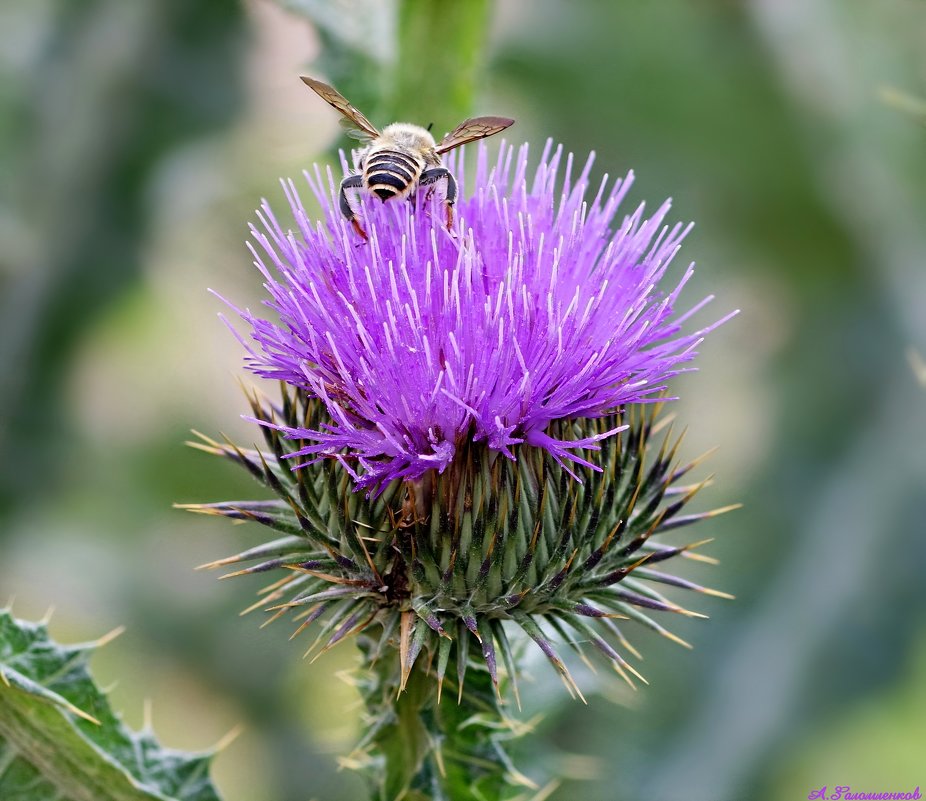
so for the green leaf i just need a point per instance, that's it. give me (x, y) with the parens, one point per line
(61, 741)
(357, 49)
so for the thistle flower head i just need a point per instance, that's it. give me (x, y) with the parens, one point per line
(539, 305)
(483, 384)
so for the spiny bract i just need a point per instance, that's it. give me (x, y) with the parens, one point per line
(433, 562)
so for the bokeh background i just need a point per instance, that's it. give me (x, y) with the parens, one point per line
(136, 138)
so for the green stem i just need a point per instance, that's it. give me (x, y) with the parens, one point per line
(441, 47)
(416, 749)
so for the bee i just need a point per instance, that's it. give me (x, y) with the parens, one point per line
(396, 161)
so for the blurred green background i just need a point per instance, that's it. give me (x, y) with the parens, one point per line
(136, 138)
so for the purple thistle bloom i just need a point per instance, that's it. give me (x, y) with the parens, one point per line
(538, 306)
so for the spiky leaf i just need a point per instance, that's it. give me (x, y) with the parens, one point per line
(61, 741)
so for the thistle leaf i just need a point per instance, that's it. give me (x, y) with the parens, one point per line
(61, 741)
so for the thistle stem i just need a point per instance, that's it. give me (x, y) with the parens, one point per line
(442, 48)
(418, 749)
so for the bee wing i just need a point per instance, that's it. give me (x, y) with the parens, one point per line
(350, 129)
(471, 130)
(336, 99)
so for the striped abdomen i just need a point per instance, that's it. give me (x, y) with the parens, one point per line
(390, 172)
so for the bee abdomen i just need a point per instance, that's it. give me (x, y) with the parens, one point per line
(391, 173)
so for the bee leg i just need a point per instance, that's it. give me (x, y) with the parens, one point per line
(436, 174)
(351, 182)
(359, 229)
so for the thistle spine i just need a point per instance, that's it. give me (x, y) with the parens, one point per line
(434, 577)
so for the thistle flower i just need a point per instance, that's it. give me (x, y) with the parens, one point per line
(484, 386)
(531, 310)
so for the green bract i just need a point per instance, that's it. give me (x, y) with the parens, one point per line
(438, 576)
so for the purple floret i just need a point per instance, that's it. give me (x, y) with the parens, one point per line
(541, 304)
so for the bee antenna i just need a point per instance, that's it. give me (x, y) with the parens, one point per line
(430, 126)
